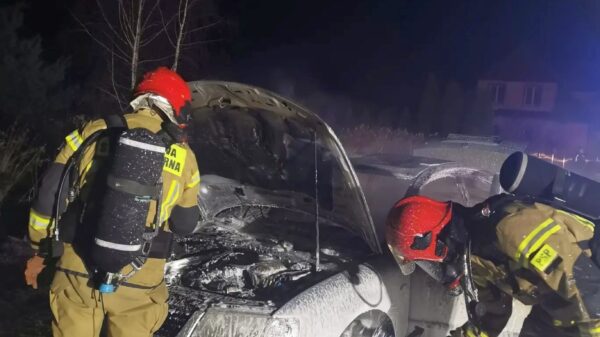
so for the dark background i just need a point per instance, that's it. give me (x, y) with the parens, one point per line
(405, 65)
(377, 51)
(355, 62)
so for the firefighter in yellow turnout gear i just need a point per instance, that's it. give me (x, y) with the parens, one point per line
(520, 249)
(138, 307)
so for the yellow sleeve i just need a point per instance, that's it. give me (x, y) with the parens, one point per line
(191, 182)
(185, 214)
(40, 227)
(40, 215)
(75, 139)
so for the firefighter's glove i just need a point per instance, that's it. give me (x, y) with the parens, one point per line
(468, 330)
(35, 265)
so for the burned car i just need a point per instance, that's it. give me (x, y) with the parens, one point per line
(286, 245)
(285, 240)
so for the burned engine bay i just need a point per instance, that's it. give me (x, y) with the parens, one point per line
(255, 257)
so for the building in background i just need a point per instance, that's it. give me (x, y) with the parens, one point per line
(530, 106)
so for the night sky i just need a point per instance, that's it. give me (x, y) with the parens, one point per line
(354, 62)
(390, 39)
(370, 49)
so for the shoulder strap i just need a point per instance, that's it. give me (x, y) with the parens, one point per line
(115, 121)
(484, 218)
(172, 134)
(494, 208)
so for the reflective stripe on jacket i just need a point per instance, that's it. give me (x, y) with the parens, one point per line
(548, 265)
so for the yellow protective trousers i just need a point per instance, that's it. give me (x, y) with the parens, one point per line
(80, 311)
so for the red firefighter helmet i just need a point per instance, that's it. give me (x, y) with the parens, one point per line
(168, 84)
(412, 229)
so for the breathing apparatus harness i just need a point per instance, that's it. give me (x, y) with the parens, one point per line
(485, 214)
(108, 278)
(456, 273)
(53, 246)
(475, 309)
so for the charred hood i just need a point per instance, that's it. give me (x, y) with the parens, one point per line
(255, 148)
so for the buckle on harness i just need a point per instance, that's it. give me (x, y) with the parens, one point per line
(137, 263)
(146, 248)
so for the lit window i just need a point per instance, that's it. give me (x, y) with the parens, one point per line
(497, 91)
(533, 95)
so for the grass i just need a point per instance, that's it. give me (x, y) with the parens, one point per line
(18, 158)
(367, 139)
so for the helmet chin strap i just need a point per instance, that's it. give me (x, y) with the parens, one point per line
(470, 289)
(475, 309)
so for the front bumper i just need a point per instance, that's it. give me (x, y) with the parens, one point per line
(237, 322)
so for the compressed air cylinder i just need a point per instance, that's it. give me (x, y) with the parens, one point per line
(525, 175)
(522, 174)
(133, 181)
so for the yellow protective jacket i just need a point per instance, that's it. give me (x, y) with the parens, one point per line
(179, 212)
(540, 256)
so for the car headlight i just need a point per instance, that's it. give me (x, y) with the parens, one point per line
(227, 322)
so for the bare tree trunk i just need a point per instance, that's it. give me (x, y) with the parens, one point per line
(135, 48)
(128, 27)
(180, 35)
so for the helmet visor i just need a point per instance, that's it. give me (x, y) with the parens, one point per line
(446, 274)
(406, 267)
(433, 269)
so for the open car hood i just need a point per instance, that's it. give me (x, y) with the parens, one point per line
(256, 148)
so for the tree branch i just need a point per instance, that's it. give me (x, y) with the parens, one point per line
(125, 24)
(192, 44)
(210, 25)
(149, 15)
(100, 43)
(160, 59)
(165, 27)
(181, 34)
(116, 47)
(105, 18)
(151, 38)
(112, 78)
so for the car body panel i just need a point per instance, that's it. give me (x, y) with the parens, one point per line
(327, 308)
(366, 283)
